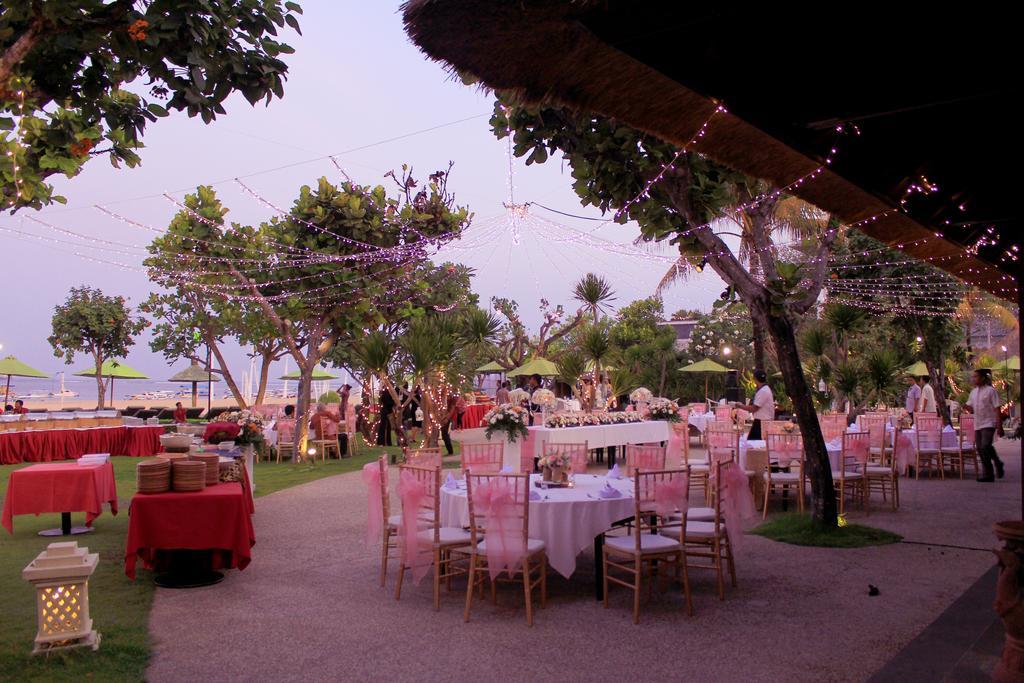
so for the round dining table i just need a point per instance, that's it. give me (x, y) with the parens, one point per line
(568, 520)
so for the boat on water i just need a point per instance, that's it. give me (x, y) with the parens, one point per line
(33, 396)
(152, 396)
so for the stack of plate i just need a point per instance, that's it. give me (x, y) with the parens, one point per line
(189, 475)
(212, 462)
(153, 476)
(172, 457)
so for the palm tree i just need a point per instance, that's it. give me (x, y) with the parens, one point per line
(594, 292)
(843, 321)
(596, 344)
(571, 366)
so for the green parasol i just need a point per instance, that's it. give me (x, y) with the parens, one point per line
(707, 366)
(12, 367)
(537, 366)
(1011, 363)
(194, 374)
(489, 368)
(319, 375)
(114, 369)
(918, 369)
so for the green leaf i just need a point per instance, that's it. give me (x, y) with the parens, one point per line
(157, 110)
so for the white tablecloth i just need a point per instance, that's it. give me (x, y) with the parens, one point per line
(700, 420)
(603, 436)
(567, 521)
(834, 450)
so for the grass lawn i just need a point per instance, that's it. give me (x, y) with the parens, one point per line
(798, 530)
(119, 606)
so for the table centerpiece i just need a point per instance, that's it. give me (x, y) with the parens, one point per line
(554, 468)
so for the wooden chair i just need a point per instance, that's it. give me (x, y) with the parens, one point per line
(708, 541)
(390, 522)
(534, 557)
(423, 457)
(874, 425)
(445, 542)
(482, 458)
(644, 458)
(723, 414)
(786, 450)
(928, 420)
(964, 453)
(723, 441)
(657, 539)
(769, 427)
(578, 454)
(883, 476)
(833, 425)
(285, 438)
(928, 435)
(848, 479)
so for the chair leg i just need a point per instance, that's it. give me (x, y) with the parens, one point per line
(384, 558)
(527, 593)
(636, 589)
(767, 489)
(731, 562)
(470, 586)
(687, 595)
(604, 574)
(717, 549)
(437, 579)
(543, 580)
(398, 584)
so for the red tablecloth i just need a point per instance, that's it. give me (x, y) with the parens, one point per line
(46, 445)
(474, 415)
(59, 487)
(216, 518)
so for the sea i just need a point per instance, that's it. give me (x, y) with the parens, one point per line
(124, 389)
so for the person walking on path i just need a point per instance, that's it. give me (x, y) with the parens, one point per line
(762, 407)
(913, 396)
(926, 404)
(984, 404)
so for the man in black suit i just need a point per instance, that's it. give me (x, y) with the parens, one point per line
(387, 406)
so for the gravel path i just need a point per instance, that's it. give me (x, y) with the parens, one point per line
(309, 607)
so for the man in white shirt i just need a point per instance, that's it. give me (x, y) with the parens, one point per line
(984, 404)
(762, 407)
(926, 404)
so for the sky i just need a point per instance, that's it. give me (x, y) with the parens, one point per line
(355, 80)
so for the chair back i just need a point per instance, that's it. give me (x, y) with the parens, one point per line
(874, 425)
(966, 431)
(723, 413)
(285, 430)
(423, 457)
(266, 411)
(772, 426)
(509, 522)
(428, 507)
(482, 458)
(742, 416)
(832, 426)
(699, 408)
(723, 441)
(576, 452)
(927, 420)
(785, 449)
(644, 458)
(684, 416)
(659, 494)
(385, 496)
(855, 453)
(929, 435)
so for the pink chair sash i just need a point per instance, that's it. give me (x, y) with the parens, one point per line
(904, 452)
(858, 448)
(374, 502)
(505, 549)
(737, 502)
(786, 452)
(674, 452)
(670, 495)
(416, 554)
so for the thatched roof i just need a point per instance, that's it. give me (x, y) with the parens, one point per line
(652, 66)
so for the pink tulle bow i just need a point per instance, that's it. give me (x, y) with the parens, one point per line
(504, 535)
(674, 452)
(670, 495)
(374, 502)
(859, 450)
(416, 554)
(903, 452)
(737, 501)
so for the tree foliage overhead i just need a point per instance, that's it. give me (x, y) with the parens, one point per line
(72, 75)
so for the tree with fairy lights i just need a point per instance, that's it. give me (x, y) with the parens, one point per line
(342, 260)
(70, 76)
(676, 194)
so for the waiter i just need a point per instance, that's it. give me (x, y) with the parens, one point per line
(762, 407)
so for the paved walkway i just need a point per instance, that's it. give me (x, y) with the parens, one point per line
(309, 607)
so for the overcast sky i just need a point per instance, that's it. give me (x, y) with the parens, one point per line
(354, 80)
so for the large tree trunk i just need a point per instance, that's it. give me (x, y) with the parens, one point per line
(302, 406)
(937, 369)
(823, 496)
(266, 358)
(759, 341)
(101, 386)
(226, 373)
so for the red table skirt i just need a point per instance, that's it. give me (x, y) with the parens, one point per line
(216, 518)
(70, 444)
(59, 487)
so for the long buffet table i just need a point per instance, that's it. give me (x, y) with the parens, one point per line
(70, 444)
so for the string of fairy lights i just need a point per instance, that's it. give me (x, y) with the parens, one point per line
(410, 245)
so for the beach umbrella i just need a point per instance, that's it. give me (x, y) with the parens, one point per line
(489, 368)
(194, 374)
(12, 367)
(1011, 363)
(537, 366)
(319, 375)
(114, 369)
(706, 366)
(918, 369)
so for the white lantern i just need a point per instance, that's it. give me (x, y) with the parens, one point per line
(61, 577)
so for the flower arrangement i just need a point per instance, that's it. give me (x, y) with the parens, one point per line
(903, 419)
(788, 428)
(641, 395)
(545, 398)
(250, 427)
(580, 419)
(554, 460)
(517, 396)
(507, 418)
(663, 409)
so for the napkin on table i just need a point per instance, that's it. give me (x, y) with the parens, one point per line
(534, 495)
(507, 469)
(450, 483)
(615, 472)
(610, 491)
